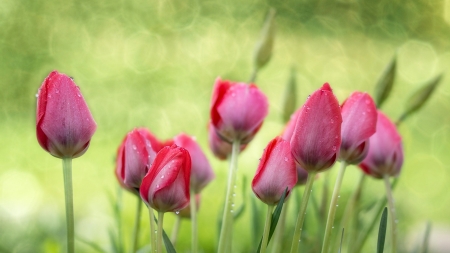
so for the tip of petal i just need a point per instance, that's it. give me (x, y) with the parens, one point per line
(326, 87)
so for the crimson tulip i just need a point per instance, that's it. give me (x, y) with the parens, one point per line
(201, 171)
(316, 138)
(64, 124)
(359, 115)
(275, 172)
(385, 155)
(237, 110)
(134, 156)
(165, 188)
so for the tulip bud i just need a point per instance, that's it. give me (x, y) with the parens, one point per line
(385, 155)
(220, 148)
(289, 98)
(237, 110)
(263, 49)
(135, 154)
(418, 99)
(201, 171)
(64, 124)
(186, 212)
(275, 172)
(317, 135)
(385, 83)
(359, 121)
(166, 186)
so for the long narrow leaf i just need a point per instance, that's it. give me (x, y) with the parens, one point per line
(382, 231)
(342, 239)
(426, 238)
(167, 243)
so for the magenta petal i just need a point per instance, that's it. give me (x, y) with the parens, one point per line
(317, 135)
(64, 124)
(275, 173)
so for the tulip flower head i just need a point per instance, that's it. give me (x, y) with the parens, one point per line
(64, 124)
(359, 115)
(136, 152)
(201, 171)
(316, 138)
(385, 155)
(220, 148)
(275, 172)
(237, 110)
(166, 186)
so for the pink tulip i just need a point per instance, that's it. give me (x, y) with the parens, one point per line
(237, 110)
(359, 115)
(201, 171)
(385, 154)
(275, 173)
(64, 124)
(220, 148)
(317, 135)
(166, 186)
(136, 152)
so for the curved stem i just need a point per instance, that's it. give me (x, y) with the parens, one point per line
(302, 212)
(390, 198)
(253, 75)
(333, 207)
(152, 229)
(176, 228)
(160, 231)
(68, 193)
(137, 221)
(265, 238)
(194, 236)
(227, 220)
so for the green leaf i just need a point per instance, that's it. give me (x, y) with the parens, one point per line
(420, 97)
(275, 217)
(382, 231)
(290, 97)
(264, 46)
(342, 239)
(385, 83)
(426, 238)
(168, 243)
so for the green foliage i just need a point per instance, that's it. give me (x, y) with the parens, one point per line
(382, 231)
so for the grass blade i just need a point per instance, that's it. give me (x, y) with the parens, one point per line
(382, 231)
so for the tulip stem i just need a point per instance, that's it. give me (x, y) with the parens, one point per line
(137, 221)
(301, 214)
(279, 230)
(266, 229)
(387, 183)
(253, 75)
(160, 231)
(194, 235)
(68, 192)
(227, 220)
(152, 229)
(176, 228)
(333, 206)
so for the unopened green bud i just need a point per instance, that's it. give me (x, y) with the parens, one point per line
(263, 49)
(420, 97)
(290, 97)
(385, 83)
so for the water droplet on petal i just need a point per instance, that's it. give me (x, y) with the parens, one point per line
(334, 148)
(286, 159)
(37, 95)
(177, 212)
(162, 176)
(134, 147)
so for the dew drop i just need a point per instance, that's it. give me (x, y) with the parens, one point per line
(332, 227)
(79, 95)
(334, 148)
(177, 212)
(57, 91)
(157, 186)
(37, 95)
(332, 121)
(162, 176)
(285, 159)
(156, 231)
(134, 147)
(232, 211)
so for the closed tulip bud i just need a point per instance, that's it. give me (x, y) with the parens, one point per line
(64, 124)
(385, 156)
(201, 171)
(275, 172)
(220, 148)
(165, 188)
(316, 138)
(263, 49)
(136, 152)
(359, 121)
(186, 212)
(289, 97)
(237, 110)
(385, 83)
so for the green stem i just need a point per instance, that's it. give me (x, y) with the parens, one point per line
(279, 231)
(227, 220)
(266, 229)
(333, 207)
(176, 228)
(160, 231)
(194, 235)
(152, 229)
(68, 192)
(137, 221)
(253, 75)
(390, 198)
(302, 212)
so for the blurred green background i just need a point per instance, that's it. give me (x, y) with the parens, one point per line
(153, 64)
